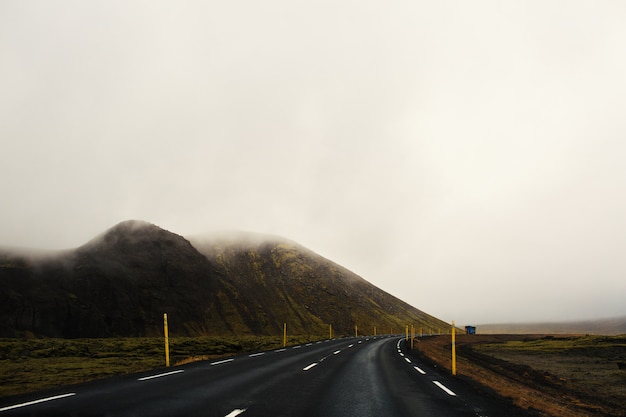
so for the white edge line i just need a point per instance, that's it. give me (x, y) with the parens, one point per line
(236, 412)
(56, 397)
(443, 387)
(220, 362)
(419, 370)
(310, 366)
(408, 360)
(145, 378)
(256, 354)
(297, 347)
(280, 350)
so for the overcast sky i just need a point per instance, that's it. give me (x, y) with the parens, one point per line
(467, 157)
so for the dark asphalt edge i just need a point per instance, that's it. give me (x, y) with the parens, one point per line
(475, 387)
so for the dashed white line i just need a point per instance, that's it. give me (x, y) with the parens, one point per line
(443, 387)
(256, 354)
(220, 362)
(419, 370)
(308, 344)
(56, 397)
(145, 378)
(297, 347)
(280, 350)
(336, 352)
(235, 412)
(310, 366)
(408, 360)
(402, 354)
(350, 346)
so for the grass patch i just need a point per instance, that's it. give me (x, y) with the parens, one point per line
(36, 364)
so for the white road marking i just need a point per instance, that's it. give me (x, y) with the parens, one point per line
(297, 347)
(256, 354)
(308, 344)
(443, 387)
(56, 397)
(408, 360)
(145, 378)
(336, 352)
(401, 354)
(309, 367)
(235, 412)
(419, 370)
(220, 362)
(360, 341)
(280, 350)
(350, 346)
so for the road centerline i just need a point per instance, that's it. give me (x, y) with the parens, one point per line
(145, 378)
(310, 366)
(236, 412)
(56, 397)
(220, 362)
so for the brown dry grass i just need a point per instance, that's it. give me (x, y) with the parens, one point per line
(540, 376)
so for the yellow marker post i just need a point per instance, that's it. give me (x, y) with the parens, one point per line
(284, 334)
(356, 330)
(406, 331)
(453, 350)
(167, 341)
(374, 330)
(412, 335)
(330, 331)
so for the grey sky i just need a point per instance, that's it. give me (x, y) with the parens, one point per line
(467, 157)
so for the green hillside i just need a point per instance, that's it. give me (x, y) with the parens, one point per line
(121, 282)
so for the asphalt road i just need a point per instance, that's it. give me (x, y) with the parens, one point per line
(342, 377)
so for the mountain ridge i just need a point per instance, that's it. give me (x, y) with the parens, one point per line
(122, 281)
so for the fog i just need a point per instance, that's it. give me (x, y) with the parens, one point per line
(467, 157)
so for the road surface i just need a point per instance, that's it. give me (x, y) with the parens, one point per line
(357, 377)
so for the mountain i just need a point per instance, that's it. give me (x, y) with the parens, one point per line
(121, 282)
(280, 281)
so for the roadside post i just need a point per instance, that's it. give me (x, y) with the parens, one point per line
(453, 350)
(284, 334)
(167, 341)
(330, 331)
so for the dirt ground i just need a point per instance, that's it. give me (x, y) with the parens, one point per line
(564, 376)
